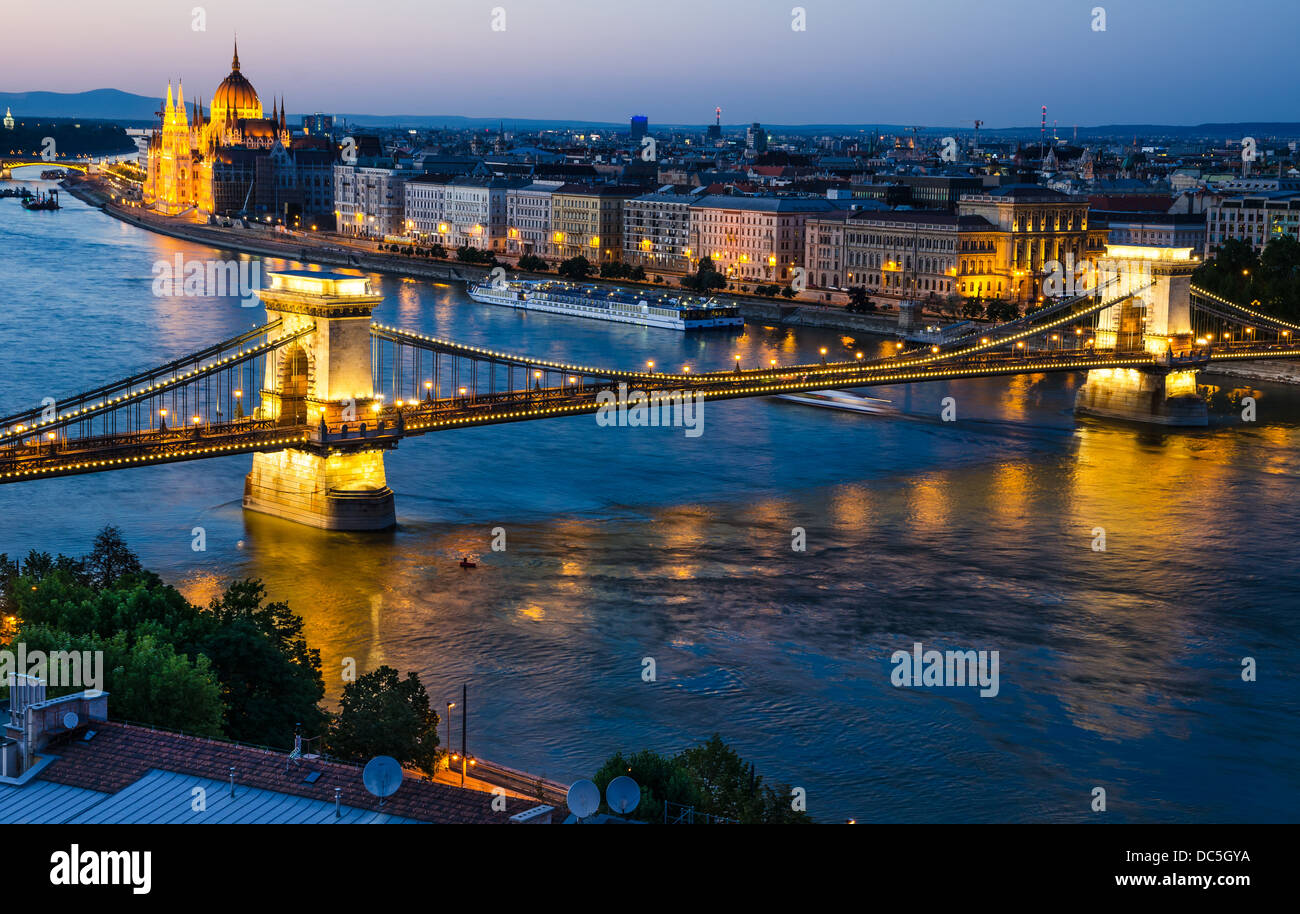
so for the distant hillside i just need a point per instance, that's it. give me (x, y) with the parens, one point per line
(97, 104)
(116, 105)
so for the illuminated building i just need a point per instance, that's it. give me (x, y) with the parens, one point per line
(184, 150)
(587, 221)
(759, 239)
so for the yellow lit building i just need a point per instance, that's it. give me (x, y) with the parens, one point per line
(183, 150)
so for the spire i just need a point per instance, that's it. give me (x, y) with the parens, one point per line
(170, 103)
(234, 64)
(283, 123)
(180, 95)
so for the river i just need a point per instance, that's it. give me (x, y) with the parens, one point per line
(1118, 669)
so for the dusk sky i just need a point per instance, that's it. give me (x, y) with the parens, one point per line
(922, 62)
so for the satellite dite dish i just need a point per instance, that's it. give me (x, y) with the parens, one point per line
(583, 798)
(623, 795)
(70, 720)
(382, 776)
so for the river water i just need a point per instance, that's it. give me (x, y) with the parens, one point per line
(1118, 669)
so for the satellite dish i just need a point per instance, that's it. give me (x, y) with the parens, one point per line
(382, 776)
(583, 798)
(70, 720)
(623, 795)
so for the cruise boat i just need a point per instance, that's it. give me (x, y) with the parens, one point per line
(668, 310)
(842, 399)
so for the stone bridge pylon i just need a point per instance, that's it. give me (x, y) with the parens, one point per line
(1156, 318)
(321, 381)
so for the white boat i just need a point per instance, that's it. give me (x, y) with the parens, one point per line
(842, 399)
(667, 310)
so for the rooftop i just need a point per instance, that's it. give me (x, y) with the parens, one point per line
(131, 773)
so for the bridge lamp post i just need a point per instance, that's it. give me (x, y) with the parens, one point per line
(823, 355)
(463, 392)
(428, 390)
(162, 419)
(651, 365)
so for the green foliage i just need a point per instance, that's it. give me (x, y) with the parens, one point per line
(859, 301)
(532, 263)
(575, 268)
(147, 679)
(711, 777)
(705, 278)
(1270, 279)
(660, 779)
(268, 679)
(381, 714)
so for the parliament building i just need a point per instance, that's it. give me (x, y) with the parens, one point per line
(234, 159)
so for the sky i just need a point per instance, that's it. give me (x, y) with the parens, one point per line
(910, 62)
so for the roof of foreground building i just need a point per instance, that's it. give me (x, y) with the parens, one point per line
(124, 773)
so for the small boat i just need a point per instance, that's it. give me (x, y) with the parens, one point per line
(842, 399)
(48, 201)
(466, 563)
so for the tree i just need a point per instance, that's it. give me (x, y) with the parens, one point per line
(732, 788)
(110, 559)
(575, 268)
(711, 777)
(270, 679)
(532, 264)
(859, 301)
(381, 714)
(660, 778)
(705, 278)
(147, 679)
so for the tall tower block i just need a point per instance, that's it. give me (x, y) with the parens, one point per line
(321, 381)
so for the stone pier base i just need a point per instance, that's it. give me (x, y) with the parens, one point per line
(1136, 396)
(338, 492)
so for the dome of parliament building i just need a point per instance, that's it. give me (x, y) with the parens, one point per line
(235, 97)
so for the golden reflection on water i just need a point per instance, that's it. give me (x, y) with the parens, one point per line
(928, 504)
(851, 507)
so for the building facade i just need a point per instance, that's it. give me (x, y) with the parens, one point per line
(369, 199)
(528, 219)
(1040, 227)
(657, 231)
(755, 239)
(1253, 218)
(587, 221)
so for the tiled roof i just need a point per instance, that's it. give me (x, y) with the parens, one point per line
(121, 754)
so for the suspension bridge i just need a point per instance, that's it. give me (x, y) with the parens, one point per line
(320, 392)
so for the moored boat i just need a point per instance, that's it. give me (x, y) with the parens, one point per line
(648, 308)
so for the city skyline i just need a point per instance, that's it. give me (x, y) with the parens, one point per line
(713, 60)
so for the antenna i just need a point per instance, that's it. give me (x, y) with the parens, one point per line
(583, 798)
(623, 795)
(382, 776)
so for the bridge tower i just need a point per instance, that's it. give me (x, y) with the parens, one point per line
(319, 381)
(1155, 318)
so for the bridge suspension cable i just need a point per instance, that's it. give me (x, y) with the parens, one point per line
(15, 428)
